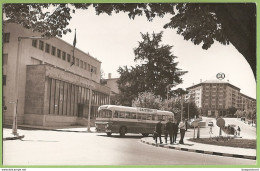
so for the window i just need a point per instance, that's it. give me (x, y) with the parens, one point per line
(58, 53)
(47, 48)
(64, 56)
(88, 67)
(6, 37)
(5, 59)
(115, 114)
(53, 50)
(68, 57)
(144, 116)
(77, 62)
(4, 80)
(81, 64)
(85, 65)
(41, 45)
(121, 114)
(34, 43)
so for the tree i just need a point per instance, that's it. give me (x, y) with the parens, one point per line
(199, 22)
(148, 100)
(192, 109)
(231, 111)
(157, 71)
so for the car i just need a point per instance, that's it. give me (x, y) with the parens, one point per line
(210, 124)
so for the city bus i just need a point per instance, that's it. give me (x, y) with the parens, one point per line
(122, 119)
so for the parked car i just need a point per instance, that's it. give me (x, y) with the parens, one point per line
(210, 124)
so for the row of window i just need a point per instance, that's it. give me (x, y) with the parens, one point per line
(129, 115)
(63, 55)
(69, 99)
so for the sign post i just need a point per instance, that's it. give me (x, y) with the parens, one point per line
(220, 124)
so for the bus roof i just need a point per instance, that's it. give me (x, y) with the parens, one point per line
(135, 109)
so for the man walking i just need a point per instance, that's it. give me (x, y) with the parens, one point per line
(182, 130)
(158, 129)
(169, 129)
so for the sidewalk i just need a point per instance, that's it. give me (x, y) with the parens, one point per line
(206, 149)
(7, 135)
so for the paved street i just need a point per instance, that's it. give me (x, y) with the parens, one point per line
(76, 147)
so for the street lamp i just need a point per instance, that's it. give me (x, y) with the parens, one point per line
(90, 99)
(15, 102)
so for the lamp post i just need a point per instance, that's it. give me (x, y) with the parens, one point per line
(90, 99)
(15, 102)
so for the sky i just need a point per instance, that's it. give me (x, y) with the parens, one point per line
(111, 39)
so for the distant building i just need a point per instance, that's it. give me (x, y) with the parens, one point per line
(112, 84)
(51, 91)
(215, 97)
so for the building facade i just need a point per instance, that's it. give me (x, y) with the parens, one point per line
(215, 97)
(51, 91)
(112, 84)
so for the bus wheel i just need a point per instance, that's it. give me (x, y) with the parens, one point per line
(122, 131)
(109, 134)
(145, 134)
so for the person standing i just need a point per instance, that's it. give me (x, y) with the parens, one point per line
(238, 131)
(158, 129)
(175, 131)
(165, 135)
(182, 130)
(169, 129)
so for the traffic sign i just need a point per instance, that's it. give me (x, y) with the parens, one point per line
(220, 122)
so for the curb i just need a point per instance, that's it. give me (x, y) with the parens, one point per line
(201, 151)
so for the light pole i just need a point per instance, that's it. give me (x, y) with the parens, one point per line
(15, 102)
(90, 99)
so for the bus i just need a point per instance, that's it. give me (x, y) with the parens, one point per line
(122, 119)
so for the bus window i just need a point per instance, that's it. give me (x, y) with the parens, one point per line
(116, 114)
(127, 115)
(139, 116)
(105, 114)
(163, 118)
(144, 116)
(155, 117)
(149, 117)
(159, 117)
(121, 114)
(133, 115)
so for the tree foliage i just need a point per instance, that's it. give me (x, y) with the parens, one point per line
(148, 100)
(157, 71)
(201, 23)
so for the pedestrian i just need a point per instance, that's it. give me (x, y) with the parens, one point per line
(165, 135)
(182, 130)
(175, 130)
(158, 129)
(238, 131)
(210, 130)
(169, 129)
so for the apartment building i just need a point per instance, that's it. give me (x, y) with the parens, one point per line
(215, 97)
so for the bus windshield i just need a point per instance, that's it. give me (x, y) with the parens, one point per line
(105, 113)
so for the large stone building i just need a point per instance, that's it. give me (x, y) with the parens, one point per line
(51, 91)
(216, 97)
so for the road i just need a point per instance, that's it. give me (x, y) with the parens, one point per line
(46, 147)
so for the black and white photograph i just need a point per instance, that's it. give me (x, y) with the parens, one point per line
(129, 84)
